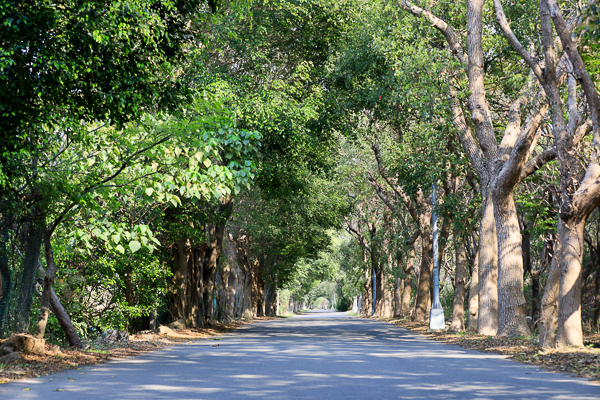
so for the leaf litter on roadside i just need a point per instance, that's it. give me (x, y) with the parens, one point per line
(36, 365)
(584, 362)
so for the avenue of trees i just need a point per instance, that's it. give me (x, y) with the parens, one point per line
(216, 160)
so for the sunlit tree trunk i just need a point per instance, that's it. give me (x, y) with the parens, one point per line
(398, 289)
(474, 295)
(407, 291)
(49, 299)
(423, 296)
(460, 279)
(513, 313)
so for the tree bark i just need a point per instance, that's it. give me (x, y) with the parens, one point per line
(49, 299)
(231, 295)
(33, 247)
(5, 275)
(398, 289)
(367, 304)
(423, 296)
(258, 293)
(407, 291)
(197, 311)
(474, 295)
(458, 303)
(569, 296)
(597, 298)
(512, 315)
(549, 307)
(487, 318)
(226, 278)
(247, 299)
(216, 233)
(270, 297)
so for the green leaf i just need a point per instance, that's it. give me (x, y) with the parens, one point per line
(134, 245)
(120, 249)
(149, 191)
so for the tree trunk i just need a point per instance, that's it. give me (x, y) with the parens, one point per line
(474, 295)
(216, 233)
(49, 299)
(270, 297)
(387, 305)
(226, 278)
(512, 312)
(247, 295)
(380, 291)
(258, 293)
(398, 289)
(549, 310)
(569, 297)
(5, 275)
(458, 304)
(407, 291)
(208, 284)
(487, 318)
(32, 254)
(367, 305)
(180, 253)
(423, 296)
(597, 298)
(197, 310)
(231, 295)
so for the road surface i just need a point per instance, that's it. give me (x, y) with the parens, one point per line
(318, 355)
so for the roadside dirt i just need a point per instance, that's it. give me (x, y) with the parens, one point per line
(35, 365)
(583, 362)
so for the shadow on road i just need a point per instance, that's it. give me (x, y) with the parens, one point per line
(318, 355)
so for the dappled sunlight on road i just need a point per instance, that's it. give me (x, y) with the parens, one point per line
(313, 356)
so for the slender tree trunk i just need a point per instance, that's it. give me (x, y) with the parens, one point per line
(231, 295)
(225, 279)
(255, 289)
(597, 298)
(487, 318)
(380, 291)
(474, 295)
(180, 255)
(387, 306)
(423, 296)
(247, 299)
(398, 289)
(49, 299)
(367, 305)
(260, 303)
(259, 291)
(270, 297)
(408, 279)
(197, 302)
(5, 275)
(458, 304)
(208, 284)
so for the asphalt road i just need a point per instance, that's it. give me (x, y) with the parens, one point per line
(313, 356)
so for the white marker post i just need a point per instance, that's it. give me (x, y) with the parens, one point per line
(436, 316)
